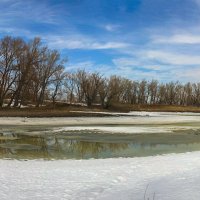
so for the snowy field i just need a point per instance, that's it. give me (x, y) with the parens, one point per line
(170, 177)
(163, 177)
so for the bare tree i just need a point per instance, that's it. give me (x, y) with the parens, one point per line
(103, 92)
(72, 88)
(90, 84)
(10, 50)
(28, 60)
(153, 89)
(142, 96)
(110, 91)
(57, 83)
(49, 66)
(30, 71)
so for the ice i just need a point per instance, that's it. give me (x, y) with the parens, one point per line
(132, 118)
(132, 123)
(117, 129)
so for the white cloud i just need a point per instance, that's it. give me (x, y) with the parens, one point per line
(170, 66)
(191, 75)
(111, 27)
(11, 11)
(197, 2)
(87, 65)
(91, 66)
(134, 63)
(107, 45)
(15, 32)
(82, 42)
(178, 39)
(172, 58)
(182, 74)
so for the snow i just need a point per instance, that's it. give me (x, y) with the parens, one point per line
(158, 114)
(141, 113)
(118, 129)
(131, 119)
(133, 123)
(170, 177)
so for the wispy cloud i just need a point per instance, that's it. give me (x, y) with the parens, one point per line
(172, 58)
(82, 42)
(178, 39)
(91, 66)
(159, 64)
(111, 27)
(134, 63)
(188, 74)
(19, 10)
(73, 66)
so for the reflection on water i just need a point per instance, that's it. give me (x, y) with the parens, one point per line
(93, 145)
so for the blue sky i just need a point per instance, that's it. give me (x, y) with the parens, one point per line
(137, 39)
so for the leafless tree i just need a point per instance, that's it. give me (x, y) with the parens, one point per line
(57, 83)
(30, 71)
(49, 66)
(10, 50)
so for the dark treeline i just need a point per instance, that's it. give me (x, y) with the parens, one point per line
(32, 73)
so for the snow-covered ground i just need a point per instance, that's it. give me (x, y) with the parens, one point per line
(170, 177)
(140, 113)
(132, 118)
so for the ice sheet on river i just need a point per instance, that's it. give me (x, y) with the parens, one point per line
(132, 118)
(133, 122)
(170, 177)
(117, 129)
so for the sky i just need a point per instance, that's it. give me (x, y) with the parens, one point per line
(136, 39)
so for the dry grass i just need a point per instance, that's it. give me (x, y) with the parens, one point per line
(165, 108)
(63, 110)
(49, 111)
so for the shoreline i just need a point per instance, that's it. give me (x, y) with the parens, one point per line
(132, 118)
(94, 111)
(80, 113)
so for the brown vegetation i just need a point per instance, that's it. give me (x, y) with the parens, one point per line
(66, 110)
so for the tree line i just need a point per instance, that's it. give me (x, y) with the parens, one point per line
(30, 72)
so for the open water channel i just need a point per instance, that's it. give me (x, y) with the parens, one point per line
(39, 142)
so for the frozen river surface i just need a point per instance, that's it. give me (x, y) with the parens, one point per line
(169, 176)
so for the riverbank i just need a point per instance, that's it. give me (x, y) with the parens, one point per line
(95, 111)
(131, 118)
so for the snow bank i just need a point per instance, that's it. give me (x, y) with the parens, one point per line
(170, 177)
(142, 113)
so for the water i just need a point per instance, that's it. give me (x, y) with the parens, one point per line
(37, 143)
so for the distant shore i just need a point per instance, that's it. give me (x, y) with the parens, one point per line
(95, 111)
(110, 119)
